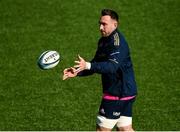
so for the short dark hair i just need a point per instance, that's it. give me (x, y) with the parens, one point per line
(110, 13)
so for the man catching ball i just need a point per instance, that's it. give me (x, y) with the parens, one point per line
(112, 60)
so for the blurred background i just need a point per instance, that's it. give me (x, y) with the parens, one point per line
(33, 99)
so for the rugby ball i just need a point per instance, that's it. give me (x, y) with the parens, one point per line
(48, 59)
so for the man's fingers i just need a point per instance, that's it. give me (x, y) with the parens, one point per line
(67, 69)
(77, 70)
(65, 77)
(78, 62)
(74, 69)
(76, 66)
(80, 58)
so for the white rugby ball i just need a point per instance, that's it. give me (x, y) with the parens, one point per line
(48, 59)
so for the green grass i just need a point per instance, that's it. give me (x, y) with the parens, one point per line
(33, 99)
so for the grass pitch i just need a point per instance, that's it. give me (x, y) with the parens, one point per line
(33, 99)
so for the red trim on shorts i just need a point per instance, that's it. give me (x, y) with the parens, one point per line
(110, 97)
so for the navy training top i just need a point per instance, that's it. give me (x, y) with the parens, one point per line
(112, 60)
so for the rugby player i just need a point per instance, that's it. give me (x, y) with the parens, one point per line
(112, 60)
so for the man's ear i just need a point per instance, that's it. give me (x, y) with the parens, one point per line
(116, 24)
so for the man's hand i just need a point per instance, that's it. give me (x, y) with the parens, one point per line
(80, 64)
(69, 73)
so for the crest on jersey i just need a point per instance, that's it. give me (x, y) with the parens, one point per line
(116, 39)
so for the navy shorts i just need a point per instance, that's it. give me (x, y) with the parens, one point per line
(113, 109)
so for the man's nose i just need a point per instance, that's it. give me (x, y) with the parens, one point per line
(101, 27)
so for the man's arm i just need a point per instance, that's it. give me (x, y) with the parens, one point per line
(115, 59)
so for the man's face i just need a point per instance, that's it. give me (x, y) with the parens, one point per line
(107, 25)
